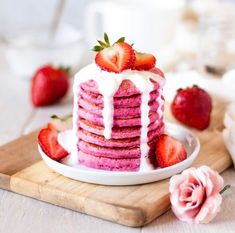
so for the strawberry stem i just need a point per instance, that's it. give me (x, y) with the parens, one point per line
(66, 69)
(106, 39)
(61, 118)
(226, 187)
(54, 117)
(101, 43)
(97, 48)
(122, 39)
(106, 43)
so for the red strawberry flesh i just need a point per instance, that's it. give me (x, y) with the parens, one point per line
(169, 151)
(144, 61)
(47, 140)
(116, 58)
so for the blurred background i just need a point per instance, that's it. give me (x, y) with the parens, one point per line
(185, 35)
(173, 30)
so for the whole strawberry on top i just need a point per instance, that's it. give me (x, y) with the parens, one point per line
(121, 56)
(49, 85)
(192, 106)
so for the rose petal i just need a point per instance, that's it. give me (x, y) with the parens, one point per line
(209, 209)
(186, 193)
(198, 195)
(186, 216)
(183, 207)
(211, 180)
(195, 194)
(217, 180)
(174, 198)
(190, 175)
(175, 181)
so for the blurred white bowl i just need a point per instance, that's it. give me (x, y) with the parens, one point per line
(229, 116)
(27, 50)
(229, 145)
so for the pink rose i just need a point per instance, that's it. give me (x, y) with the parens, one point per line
(194, 194)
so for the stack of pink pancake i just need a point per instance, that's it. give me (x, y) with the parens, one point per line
(122, 151)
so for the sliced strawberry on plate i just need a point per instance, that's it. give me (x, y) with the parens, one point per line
(47, 139)
(144, 61)
(116, 57)
(169, 151)
(60, 124)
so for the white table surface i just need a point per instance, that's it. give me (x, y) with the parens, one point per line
(20, 214)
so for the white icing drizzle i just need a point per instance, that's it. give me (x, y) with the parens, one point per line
(145, 86)
(108, 83)
(108, 89)
(67, 140)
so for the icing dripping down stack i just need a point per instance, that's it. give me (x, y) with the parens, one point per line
(135, 125)
(118, 109)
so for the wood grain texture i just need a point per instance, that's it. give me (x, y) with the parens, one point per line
(133, 205)
(128, 205)
(20, 214)
(17, 155)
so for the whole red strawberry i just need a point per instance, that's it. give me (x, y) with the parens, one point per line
(192, 106)
(49, 84)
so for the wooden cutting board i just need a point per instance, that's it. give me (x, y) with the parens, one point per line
(22, 171)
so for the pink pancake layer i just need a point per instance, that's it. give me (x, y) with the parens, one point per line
(108, 164)
(115, 164)
(112, 152)
(118, 112)
(118, 133)
(126, 122)
(117, 153)
(126, 142)
(122, 151)
(127, 88)
(134, 100)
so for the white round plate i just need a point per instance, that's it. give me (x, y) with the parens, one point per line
(96, 176)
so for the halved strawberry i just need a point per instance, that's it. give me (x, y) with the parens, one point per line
(169, 151)
(47, 139)
(116, 57)
(144, 61)
(60, 124)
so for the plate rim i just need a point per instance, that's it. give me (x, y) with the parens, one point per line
(90, 171)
